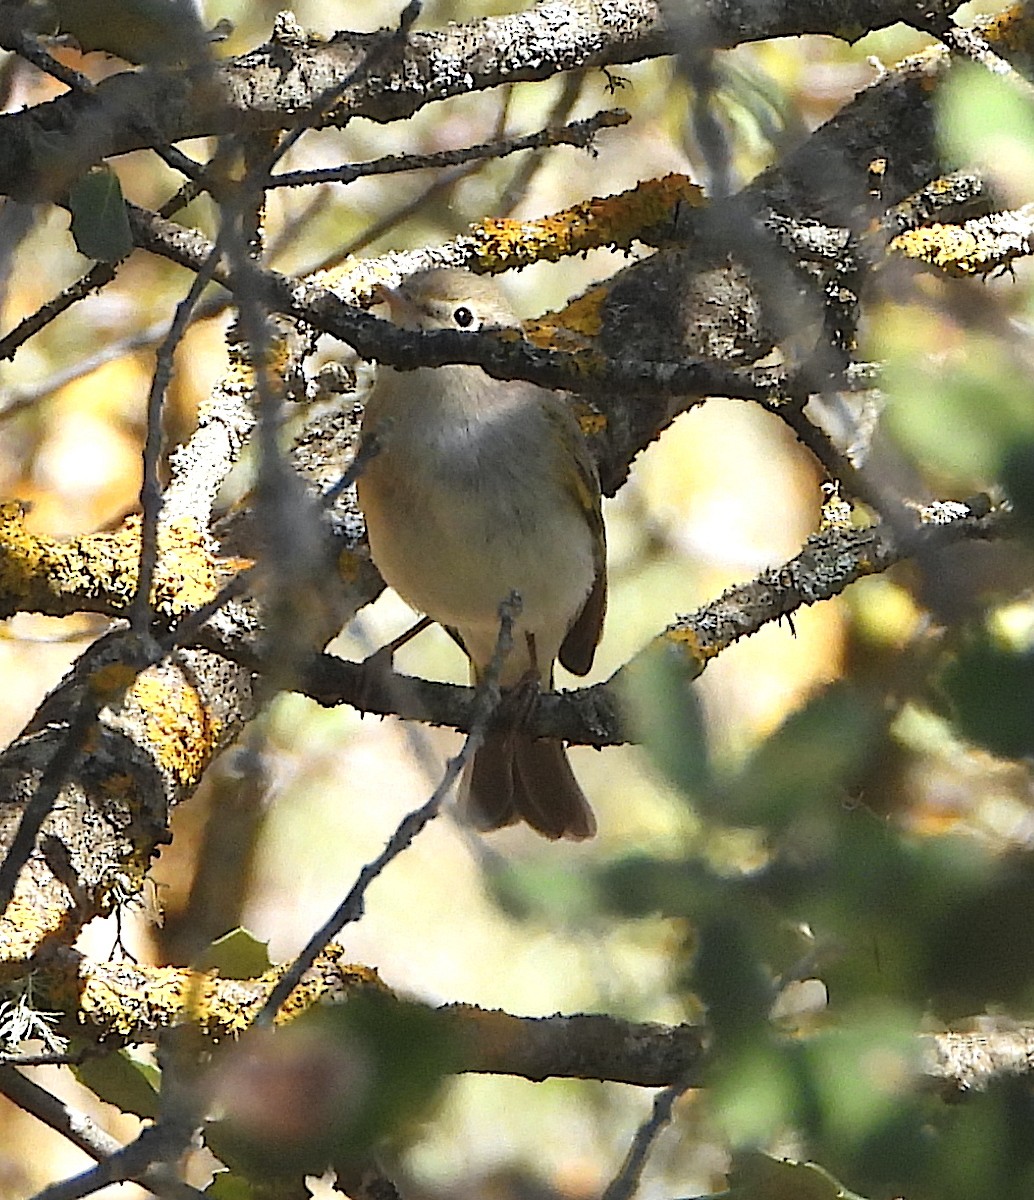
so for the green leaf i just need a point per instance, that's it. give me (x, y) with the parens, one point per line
(236, 955)
(228, 1185)
(729, 977)
(668, 721)
(957, 419)
(856, 1073)
(754, 1094)
(328, 1088)
(120, 1079)
(813, 758)
(990, 686)
(982, 951)
(883, 899)
(100, 225)
(639, 885)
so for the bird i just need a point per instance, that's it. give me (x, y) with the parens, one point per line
(481, 487)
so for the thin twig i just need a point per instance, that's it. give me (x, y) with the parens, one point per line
(184, 195)
(18, 401)
(576, 133)
(624, 1184)
(82, 1131)
(441, 184)
(31, 50)
(43, 1060)
(150, 487)
(369, 448)
(351, 908)
(530, 166)
(212, 176)
(323, 104)
(62, 762)
(195, 172)
(98, 276)
(76, 1126)
(130, 1162)
(174, 157)
(856, 482)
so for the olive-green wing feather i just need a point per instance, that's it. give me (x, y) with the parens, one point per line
(579, 646)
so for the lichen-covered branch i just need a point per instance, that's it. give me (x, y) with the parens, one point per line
(971, 1060)
(829, 562)
(97, 572)
(147, 749)
(121, 1003)
(42, 149)
(974, 248)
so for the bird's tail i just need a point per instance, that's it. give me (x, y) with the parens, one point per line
(513, 777)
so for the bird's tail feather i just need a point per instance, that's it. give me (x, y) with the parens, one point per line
(513, 777)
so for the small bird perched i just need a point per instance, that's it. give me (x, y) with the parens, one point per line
(484, 487)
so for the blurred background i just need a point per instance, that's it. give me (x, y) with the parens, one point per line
(511, 921)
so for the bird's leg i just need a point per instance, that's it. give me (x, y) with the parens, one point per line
(528, 688)
(377, 667)
(396, 644)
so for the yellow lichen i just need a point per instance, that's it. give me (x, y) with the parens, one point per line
(329, 980)
(591, 422)
(686, 641)
(645, 213)
(37, 570)
(24, 927)
(1011, 29)
(182, 734)
(573, 327)
(961, 250)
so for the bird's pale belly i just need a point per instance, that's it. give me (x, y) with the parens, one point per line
(458, 567)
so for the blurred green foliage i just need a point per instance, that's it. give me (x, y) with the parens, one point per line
(989, 685)
(903, 928)
(829, 851)
(326, 1090)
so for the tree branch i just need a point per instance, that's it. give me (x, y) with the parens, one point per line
(829, 562)
(42, 149)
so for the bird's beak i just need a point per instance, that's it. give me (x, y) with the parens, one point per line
(401, 310)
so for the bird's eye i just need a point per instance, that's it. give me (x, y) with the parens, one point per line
(463, 317)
